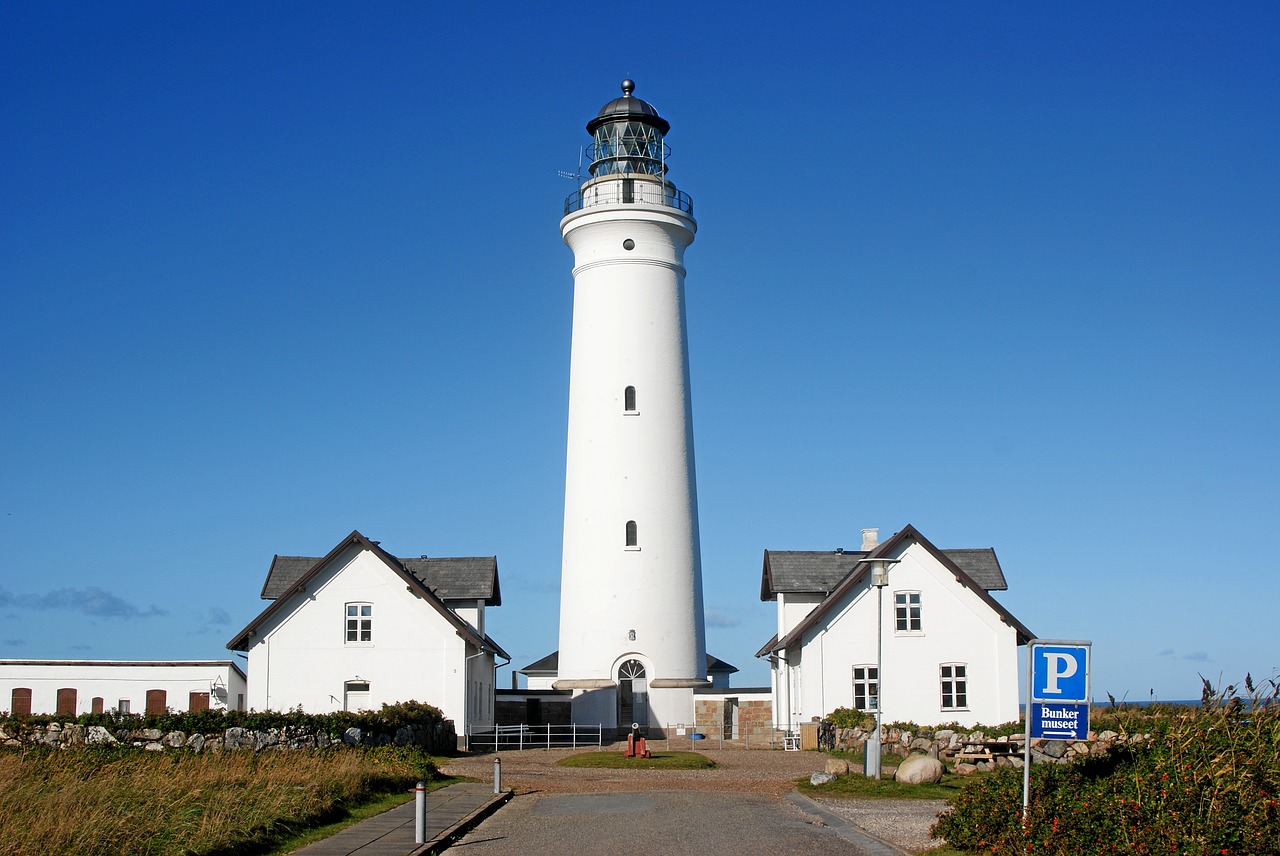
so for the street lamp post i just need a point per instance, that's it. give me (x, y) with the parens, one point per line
(879, 579)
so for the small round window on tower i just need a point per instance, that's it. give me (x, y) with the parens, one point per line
(628, 244)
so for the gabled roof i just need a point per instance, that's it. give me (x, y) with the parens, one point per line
(819, 572)
(463, 578)
(769, 647)
(550, 664)
(805, 571)
(415, 584)
(715, 664)
(862, 568)
(470, 578)
(981, 565)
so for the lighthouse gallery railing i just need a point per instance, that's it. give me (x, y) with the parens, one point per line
(625, 192)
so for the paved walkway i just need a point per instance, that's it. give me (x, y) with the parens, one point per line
(449, 811)
(667, 823)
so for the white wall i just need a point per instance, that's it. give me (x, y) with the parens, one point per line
(113, 680)
(300, 656)
(957, 627)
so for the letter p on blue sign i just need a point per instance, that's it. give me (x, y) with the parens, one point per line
(1059, 671)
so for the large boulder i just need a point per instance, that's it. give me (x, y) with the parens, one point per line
(821, 778)
(837, 766)
(919, 770)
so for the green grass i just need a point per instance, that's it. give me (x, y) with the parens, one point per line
(659, 761)
(855, 785)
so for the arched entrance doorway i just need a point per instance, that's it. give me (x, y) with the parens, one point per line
(633, 695)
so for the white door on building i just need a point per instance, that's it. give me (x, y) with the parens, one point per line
(355, 696)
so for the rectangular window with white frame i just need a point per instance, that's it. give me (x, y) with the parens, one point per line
(866, 687)
(955, 686)
(359, 623)
(906, 612)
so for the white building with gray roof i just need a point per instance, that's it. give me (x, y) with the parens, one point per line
(359, 628)
(950, 650)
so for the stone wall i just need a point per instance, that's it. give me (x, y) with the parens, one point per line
(968, 752)
(755, 717)
(437, 739)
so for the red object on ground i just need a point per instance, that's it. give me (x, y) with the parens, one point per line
(636, 748)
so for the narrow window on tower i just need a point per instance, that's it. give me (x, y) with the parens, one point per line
(633, 540)
(629, 400)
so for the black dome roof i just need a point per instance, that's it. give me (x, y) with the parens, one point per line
(628, 108)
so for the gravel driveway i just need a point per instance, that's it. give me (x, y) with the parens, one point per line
(763, 773)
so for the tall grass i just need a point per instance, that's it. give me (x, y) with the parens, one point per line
(94, 801)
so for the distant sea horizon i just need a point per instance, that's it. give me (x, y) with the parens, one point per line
(1106, 702)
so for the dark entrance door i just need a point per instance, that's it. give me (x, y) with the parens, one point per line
(633, 695)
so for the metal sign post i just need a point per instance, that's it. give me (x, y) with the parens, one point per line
(1057, 698)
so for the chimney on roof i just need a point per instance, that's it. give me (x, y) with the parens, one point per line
(870, 539)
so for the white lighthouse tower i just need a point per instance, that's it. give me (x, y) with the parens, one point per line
(632, 640)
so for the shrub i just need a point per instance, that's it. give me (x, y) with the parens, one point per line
(845, 717)
(388, 719)
(1205, 783)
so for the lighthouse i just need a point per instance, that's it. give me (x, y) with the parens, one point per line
(632, 639)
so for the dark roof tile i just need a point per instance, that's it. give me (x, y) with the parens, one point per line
(466, 578)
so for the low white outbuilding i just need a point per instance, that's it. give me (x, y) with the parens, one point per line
(360, 628)
(950, 651)
(73, 687)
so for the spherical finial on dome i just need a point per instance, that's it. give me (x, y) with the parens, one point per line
(628, 108)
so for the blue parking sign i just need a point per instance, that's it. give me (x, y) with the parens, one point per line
(1059, 671)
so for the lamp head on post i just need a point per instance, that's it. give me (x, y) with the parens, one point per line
(880, 571)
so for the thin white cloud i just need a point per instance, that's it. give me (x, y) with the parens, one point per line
(93, 601)
(716, 618)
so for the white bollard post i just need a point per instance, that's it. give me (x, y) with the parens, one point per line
(497, 775)
(420, 813)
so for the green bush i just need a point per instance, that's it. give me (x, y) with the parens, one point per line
(1206, 782)
(844, 717)
(388, 719)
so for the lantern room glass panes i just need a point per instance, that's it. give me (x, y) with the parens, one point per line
(623, 147)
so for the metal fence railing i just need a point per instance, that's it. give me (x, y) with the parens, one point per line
(620, 193)
(747, 735)
(506, 737)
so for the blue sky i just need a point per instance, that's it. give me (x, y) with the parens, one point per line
(1006, 272)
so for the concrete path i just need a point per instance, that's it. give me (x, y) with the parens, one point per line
(666, 822)
(449, 811)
